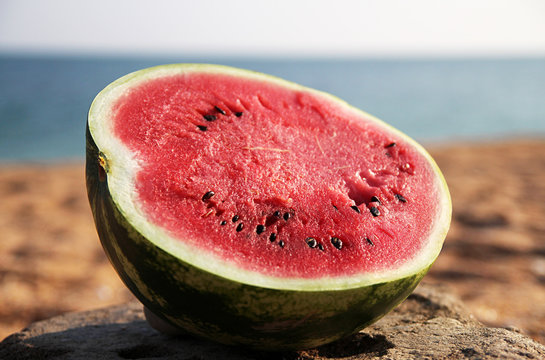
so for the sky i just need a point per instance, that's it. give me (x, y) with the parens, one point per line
(279, 28)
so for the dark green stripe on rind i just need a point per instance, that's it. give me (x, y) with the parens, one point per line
(224, 310)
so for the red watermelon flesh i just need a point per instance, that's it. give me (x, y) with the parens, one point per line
(284, 183)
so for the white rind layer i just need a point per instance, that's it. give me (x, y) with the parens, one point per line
(122, 166)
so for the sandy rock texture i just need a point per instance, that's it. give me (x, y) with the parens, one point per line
(431, 324)
(51, 261)
(494, 255)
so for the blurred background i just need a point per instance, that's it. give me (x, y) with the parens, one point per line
(468, 69)
(466, 78)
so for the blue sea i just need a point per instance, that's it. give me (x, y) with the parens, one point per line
(44, 100)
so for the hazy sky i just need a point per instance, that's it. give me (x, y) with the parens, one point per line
(279, 27)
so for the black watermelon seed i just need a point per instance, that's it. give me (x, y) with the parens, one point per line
(240, 227)
(357, 209)
(272, 237)
(220, 110)
(391, 145)
(375, 199)
(311, 242)
(209, 117)
(202, 127)
(375, 211)
(207, 195)
(223, 222)
(369, 241)
(321, 247)
(238, 114)
(260, 228)
(335, 207)
(235, 218)
(277, 214)
(337, 242)
(286, 216)
(281, 243)
(401, 198)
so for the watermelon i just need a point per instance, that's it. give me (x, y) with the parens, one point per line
(253, 211)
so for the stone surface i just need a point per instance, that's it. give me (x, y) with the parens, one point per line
(431, 324)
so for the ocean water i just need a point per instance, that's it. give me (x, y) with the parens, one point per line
(44, 101)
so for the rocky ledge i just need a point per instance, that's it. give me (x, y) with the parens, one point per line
(430, 324)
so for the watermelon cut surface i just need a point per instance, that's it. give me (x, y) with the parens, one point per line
(221, 182)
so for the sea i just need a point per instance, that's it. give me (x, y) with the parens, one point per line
(44, 100)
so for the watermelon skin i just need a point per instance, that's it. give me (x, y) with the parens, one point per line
(223, 310)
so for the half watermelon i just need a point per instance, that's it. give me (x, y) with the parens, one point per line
(252, 211)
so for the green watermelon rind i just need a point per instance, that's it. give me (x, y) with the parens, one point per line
(123, 164)
(227, 311)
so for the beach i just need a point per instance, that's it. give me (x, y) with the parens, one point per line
(493, 258)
